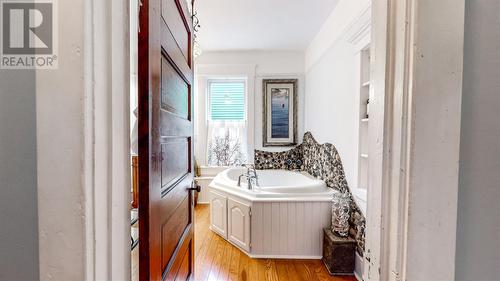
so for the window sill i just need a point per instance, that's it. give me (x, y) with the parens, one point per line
(211, 170)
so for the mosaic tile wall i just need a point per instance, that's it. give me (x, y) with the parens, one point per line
(321, 161)
(291, 159)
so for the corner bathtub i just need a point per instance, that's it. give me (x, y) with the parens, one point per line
(274, 185)
(283, 217)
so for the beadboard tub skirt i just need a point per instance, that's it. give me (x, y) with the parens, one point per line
(265, 223)
(289, 229)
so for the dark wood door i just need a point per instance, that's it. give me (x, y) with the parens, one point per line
(166, 245)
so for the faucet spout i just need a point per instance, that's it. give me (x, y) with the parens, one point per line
(239, 179)
(252, 173)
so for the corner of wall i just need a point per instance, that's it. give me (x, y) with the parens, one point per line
(343, 18)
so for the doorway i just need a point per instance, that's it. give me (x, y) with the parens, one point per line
(164, 138)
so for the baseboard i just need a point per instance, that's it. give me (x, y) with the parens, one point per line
(288, 257)
(291, 257)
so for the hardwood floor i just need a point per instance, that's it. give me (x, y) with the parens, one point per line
(217, 259)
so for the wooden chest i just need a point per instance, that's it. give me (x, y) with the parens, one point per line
(338, 253)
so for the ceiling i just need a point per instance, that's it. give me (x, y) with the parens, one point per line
(232, 25)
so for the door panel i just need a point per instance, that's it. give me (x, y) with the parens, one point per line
(178, 28)
(172, 125)
(172, 231)
(174, 91)
(169, 46)
(238, 228)
(178, 268)
(174, 162)
(165, 142)
(183, 272)
(218, 213)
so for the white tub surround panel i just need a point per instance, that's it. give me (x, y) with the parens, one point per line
(274, 186)
(283, 217)
(323, 162)
(289, 229)
(218, 213)
(238, 223)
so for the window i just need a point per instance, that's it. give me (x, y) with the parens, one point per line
(226, 126)
(226, 100)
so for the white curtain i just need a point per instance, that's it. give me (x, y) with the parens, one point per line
(226, 143)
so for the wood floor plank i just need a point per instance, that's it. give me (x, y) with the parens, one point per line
(217, 259)
(208, 260)
(303, 270)
(243, 268)
(267, 270)
(235, 263)
(215, 255)
(225, 262)
(253, 269)
(293, 275)
(281, 270)
(201, 233)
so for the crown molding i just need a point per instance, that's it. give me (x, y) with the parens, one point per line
(354, 32)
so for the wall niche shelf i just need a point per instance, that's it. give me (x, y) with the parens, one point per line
(364, 94)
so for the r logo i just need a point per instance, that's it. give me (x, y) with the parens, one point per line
(29, 34)
(27, 28)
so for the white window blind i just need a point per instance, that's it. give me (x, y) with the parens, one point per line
(227, 100)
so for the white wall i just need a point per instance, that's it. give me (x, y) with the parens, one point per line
(60, 153)
(18, 197)
(332, 80)
(265, 65)
(478, 226)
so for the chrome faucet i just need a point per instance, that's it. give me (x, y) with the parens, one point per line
(251, 169)
(249, 180)
(251, 174)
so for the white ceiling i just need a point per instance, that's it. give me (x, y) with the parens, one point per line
(260, 24)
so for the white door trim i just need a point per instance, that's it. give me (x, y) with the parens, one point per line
(417, 53)
(106, 174)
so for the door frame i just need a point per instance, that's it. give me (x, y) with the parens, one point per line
(417, 81)
(398, 76)
(106, 120)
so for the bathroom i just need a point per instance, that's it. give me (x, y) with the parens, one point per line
(250, 140)
(273, 138)
(326, 78)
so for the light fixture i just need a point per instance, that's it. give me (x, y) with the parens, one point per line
(196, 28)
